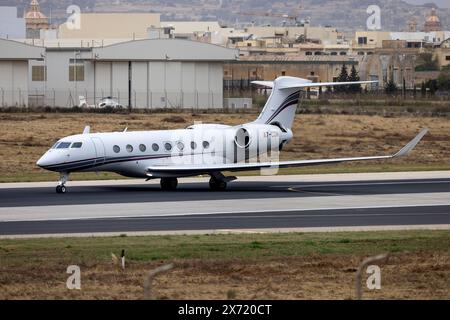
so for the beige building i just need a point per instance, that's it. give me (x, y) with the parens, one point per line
(35, 20)
(326, 35)
(112, 26)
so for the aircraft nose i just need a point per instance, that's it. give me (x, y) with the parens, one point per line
(43, 161)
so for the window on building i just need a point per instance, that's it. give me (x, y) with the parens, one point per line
(447, 58)
(249, 44)
(283, 73)
(308, 53)
(334, 53)
(343, 53)
(362, 40)
(312, 73)
(76, 73)
(38, 73)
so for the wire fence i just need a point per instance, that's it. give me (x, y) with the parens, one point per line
(102, 98)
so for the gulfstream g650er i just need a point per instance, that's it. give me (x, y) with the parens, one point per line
(201, 149)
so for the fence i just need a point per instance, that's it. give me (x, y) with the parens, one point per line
(137, 99)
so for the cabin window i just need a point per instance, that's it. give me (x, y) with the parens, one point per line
(168, 146)
(129, 148)
(77, 145)
(205, 144)
(116, 149)
(180, 146)
(64, 145)
(142, 147)
(193, 145)
(155, 147)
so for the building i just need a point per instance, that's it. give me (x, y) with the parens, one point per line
(98, 26)
(11, 27)
(151, 73)
(239, 74)
(432, 22)
(15, 60)
(35, 21)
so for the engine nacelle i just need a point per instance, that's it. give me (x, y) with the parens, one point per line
(252, 139)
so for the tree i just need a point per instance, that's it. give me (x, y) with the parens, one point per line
(427, 62)
(444, 80)
(355, 88)
(343, 77)
(423, 90)
(391, 87)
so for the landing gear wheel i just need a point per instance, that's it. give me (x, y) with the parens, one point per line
(169, 184)
(61, 189)
(217, 185)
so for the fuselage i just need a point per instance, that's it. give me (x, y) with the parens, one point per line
(131, 153)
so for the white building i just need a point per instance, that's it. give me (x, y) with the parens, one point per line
(14, 65)
(11, 27)
(153, 74)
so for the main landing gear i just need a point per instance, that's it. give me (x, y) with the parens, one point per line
(61, 188)
(169, 184)
(217, 185)
(219, 182)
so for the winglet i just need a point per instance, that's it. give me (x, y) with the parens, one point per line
(268, 84)
(87, 130)
(411, 145)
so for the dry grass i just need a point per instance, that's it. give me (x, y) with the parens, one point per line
(284, 266)
(24, 137)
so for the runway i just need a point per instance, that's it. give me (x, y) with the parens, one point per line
(253, 203)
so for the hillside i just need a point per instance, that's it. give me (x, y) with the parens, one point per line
(346, 15)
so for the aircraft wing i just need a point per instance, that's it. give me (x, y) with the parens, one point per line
(180, 170)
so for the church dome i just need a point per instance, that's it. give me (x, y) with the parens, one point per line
(35, 12)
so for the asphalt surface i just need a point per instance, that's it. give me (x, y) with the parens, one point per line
(401, 214)
(146, 193)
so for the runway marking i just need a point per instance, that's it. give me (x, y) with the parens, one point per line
(314, 193)
(294, 216)
(360, 184)
(229, 212)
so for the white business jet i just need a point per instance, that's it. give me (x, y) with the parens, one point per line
(201, 149)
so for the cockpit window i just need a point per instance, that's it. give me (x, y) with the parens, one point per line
(63, 145)
(77, 145)
(55, 145)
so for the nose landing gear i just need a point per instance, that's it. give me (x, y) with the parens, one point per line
(61, 188)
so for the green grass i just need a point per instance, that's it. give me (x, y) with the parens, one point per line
(89, 251)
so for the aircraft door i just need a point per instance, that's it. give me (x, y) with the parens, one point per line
(99, 150)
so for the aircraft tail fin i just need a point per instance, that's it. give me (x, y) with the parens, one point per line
(282, 104)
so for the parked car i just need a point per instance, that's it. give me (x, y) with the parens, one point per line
(109, 102)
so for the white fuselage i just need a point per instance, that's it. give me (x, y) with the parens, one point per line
(131, 153)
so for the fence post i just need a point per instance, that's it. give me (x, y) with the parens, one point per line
(152, 274)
